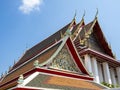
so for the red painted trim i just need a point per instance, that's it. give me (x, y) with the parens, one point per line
(64, 74)
(107, 58)
(15, 79)
(22, 88)
(55, 72)
(77, 60)
(76, 57)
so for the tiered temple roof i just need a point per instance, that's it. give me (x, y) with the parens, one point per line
(73, 38)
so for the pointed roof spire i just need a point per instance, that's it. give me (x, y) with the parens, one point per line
(96, 14)
(73, 20)
(83, 15)
(78, 26)
(80, 23)
(95, 20)
(75, 15)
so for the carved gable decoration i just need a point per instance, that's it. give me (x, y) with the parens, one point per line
(64, 61)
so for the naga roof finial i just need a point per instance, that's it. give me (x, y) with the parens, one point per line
(75, 14)
(96, 13)
(83, 15)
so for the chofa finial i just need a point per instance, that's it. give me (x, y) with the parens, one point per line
(83, 15)
(96, 13)
(75, 14)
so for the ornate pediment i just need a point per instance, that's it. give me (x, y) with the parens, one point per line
(64, 61)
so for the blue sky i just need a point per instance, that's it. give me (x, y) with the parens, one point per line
(24, 23)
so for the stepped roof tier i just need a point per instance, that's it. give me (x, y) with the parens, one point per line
(56, 62)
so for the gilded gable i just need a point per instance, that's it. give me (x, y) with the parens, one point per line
(64, 61)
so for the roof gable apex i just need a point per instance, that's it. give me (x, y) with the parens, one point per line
(76, 30)
(67, 40)
(64, 62)
(94, 28)
(76, 56)
(101, 38)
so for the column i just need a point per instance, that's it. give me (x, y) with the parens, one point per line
(118, 74)
(100, 72)
(88, 63)
(95, 69)
(106, 73)
(112, 73)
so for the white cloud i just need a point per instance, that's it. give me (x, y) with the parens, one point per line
(30, 5)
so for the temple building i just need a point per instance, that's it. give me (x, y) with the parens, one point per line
(76, 57)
